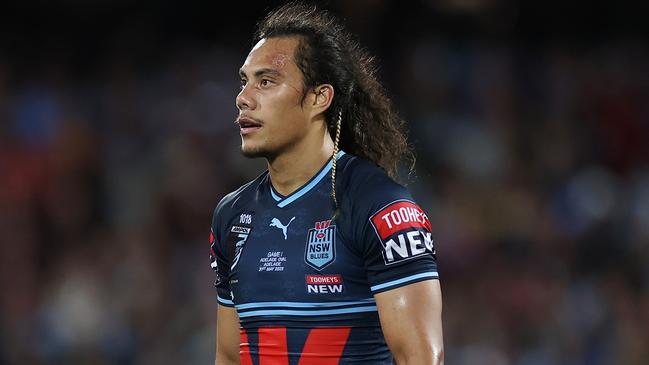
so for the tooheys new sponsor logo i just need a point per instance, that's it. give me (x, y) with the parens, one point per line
(404, 231)
(324, 284)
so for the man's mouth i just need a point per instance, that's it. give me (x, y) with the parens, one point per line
(248, 125)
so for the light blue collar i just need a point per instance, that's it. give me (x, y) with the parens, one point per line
(284, 201)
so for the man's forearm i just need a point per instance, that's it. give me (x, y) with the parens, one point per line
(226, 360)
(434, 356)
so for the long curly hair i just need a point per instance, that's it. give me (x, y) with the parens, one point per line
(361, 118)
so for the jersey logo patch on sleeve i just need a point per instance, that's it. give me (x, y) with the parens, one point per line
(213, 263)
(404, 231)
(236, 240)
(320, 248)
(212, 253)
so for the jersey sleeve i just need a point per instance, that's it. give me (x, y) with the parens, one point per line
(219, 261)
(396, 238)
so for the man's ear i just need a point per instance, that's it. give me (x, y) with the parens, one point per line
(324, 96)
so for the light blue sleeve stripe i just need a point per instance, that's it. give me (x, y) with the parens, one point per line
(307, 313)
(224, 301)
(404, 280)
(310, 186)
(304, 304)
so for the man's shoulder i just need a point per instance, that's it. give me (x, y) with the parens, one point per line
(363, 179)
(243, 194)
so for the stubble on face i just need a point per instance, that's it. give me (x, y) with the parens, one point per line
(278, 58)
(257, 151)
(279, 62)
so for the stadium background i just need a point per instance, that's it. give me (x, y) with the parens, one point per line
(530, 119)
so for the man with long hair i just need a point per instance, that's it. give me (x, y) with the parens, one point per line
(323, 258)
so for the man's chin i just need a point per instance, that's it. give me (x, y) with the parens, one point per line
(252, 152)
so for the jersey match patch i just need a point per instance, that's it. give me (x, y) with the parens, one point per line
(236, 240)
(320, 248)
(404, 231)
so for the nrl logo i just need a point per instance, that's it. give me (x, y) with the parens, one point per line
(321, 245)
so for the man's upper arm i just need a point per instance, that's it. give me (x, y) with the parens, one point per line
(395, 240)
(227, 320)
(415, 310)
(227, 336)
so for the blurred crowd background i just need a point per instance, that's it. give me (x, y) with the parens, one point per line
(531, 123)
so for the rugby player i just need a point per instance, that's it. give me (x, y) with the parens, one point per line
(323, 258)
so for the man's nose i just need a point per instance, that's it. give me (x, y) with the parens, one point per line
(245, 101)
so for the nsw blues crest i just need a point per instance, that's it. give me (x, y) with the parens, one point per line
(320, 248)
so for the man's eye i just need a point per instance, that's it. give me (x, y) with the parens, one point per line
(243, 83)
(265, 82)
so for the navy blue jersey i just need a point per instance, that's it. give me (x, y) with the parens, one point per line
(302, 283)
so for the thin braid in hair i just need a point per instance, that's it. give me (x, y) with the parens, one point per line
(333, 166)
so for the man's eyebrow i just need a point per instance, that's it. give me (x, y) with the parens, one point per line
(261, 72)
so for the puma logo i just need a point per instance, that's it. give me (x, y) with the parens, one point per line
(276, 223)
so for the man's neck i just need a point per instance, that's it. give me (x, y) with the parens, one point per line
(292, 169)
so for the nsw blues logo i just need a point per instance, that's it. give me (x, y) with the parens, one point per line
(321, 245)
